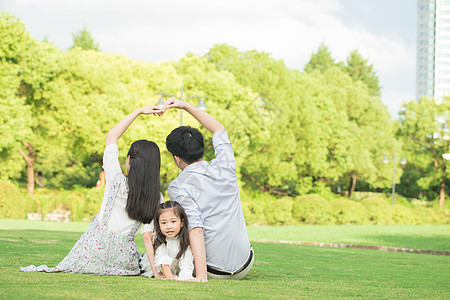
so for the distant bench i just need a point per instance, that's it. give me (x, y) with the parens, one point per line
(56, 216)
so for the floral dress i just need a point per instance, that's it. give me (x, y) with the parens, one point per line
(101, 250)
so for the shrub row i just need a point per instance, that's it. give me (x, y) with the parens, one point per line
(314, 209)
(16, 203)
(259, 208)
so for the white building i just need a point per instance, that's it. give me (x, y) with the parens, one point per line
(433, 49)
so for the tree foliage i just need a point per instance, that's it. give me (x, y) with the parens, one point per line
(320, 118)
(28, 66)
(321, 60)
(356, 66)
(83, 39)
(293, 133)
(14, 121)
(359, 69)
(425, 135)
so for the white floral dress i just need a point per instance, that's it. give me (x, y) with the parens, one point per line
(101, 250)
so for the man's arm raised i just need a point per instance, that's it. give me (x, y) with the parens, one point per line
(202, 117)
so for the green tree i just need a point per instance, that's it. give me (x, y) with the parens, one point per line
(84, 40)
(360, 129)
(321, 60)
(329, 125)
(14, 124)
(93, 92)
(359, 69)
(292, 132)
(27, 66)
(39, 67)
(291, 111)
(425, 136)
(261, 119)
(60, 106)
(226, 100)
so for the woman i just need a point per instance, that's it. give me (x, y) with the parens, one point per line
(107, 247)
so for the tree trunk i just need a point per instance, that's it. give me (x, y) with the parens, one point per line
(442, 193)
(40, 179)
(351, 189)
(442, 187)
(30, 159)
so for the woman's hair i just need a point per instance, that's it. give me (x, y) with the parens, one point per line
(143, 181)
(186, 143)
(160, 238)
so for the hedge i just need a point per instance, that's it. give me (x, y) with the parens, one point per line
(349, 212)
(312, 209)
(259, 208)
(403, 215)
(379, 210)
(12, 202)
(279, 211)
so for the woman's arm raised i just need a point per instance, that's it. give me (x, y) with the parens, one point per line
(114, 134)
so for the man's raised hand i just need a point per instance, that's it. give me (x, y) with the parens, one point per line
(174, 103)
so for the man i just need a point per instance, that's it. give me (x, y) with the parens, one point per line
(209, 194)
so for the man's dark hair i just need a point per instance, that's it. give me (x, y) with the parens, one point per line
(186, 143)
(143, 181)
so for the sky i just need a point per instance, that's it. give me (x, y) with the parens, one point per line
(383, 31)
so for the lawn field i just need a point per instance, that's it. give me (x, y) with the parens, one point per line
(280, 270)
(429, 237)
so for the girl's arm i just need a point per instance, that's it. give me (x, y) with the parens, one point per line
(167, 272)
(163, 260)
(148, 244)
(186, 264)
(117, 131)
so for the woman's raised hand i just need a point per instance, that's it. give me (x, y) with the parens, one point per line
(152, 109)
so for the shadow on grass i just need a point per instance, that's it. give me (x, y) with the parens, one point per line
(435, 242)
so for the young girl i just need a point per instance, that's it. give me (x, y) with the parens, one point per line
(107, 247)
(173, 256)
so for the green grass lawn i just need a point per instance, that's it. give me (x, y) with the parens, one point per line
(280, 270)
(429, 237)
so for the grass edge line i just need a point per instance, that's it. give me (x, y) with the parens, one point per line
(367, 247)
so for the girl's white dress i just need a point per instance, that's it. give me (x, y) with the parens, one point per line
(166, 255)
(107, 247)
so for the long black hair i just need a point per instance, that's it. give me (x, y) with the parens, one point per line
(143, 181)
(160, 238)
